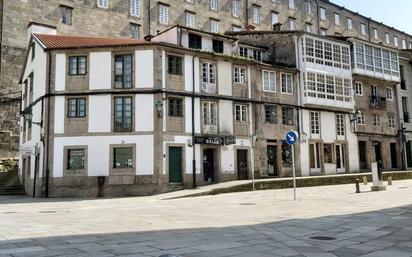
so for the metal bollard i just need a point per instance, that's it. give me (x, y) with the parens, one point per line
(357, 186)
(389, 181)
(365, 180)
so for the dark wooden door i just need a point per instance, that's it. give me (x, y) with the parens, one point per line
(175, 165)
(208, 165)
(362, 155)
(242, 165)
(394, 156)
(272, 160)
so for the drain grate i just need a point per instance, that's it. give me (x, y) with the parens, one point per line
(247, 204)
(47, 211)
(323, 238)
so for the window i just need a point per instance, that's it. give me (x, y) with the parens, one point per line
(375, 34)
(123, 71)
(190, 19)
(358, 88)
(308, 27)
(213, 5)
(350, 25)
(243, 51)
(240, 112)
(410, 45)
(236, 28)
(76, 107)
(239, 75)
(328, 153)
(271, 114)
(103, 4)
(33, 51)
(208, 77)
(376, 120)
(75, 159)
(217, 46)
(286, 154)
(291, 4)
(195, 41)
(135, 8)
(322, 13)
(209, 113)
(403, 44)
(268, 79)
(389, 93)
(391, 120)
(275, 18)
(175, 107)
(395, 41)
(134, 30)
(287, 116)
(337, 19)
(323, 32)
(327, 87)
(308, 9)
(287, 84)
(214, 26)
(363, 29)
(340, 124)
(163, 14)
(122, 157)
(292, 24)
(123, 114)
(314, 123)
(361, 118)
(405, 110)
(174, 64)
(387, 38)
(256, 14)
(257, 55)
(77, 65)
(235, 8)
(66, 14)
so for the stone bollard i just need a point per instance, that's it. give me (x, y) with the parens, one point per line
(389, 181)
(365, 180)
(357, 186)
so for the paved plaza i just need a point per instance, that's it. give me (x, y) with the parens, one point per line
(260, 223)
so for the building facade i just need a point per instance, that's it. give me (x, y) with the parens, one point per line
(405, 106)
(138, 18)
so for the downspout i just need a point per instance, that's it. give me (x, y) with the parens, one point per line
(36, 170)
(369, 29)
(1, 42)
(149, 18)
(193, 125)
(247, 13)
(400, 126)
(317, 16)
(46, 177)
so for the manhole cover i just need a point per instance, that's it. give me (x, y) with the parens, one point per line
(247, 203)
(322, 238)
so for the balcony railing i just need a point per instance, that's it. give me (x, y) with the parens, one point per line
(378, 102)
(406, 117)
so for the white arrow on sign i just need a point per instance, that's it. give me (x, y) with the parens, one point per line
(292, 139)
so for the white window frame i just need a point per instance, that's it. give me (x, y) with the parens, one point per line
(256, 14)
(214, 5)
(375, 33)
(236, 8)
(358, 88)
(363, 28)
(308, 7)
(314, 123)
(135, 6)
(269, 84)
(292, 24)
(361, 119)
(236, 28)
(349, 23)
(289, 87)
(340, 124)
(389, 94)
(322, 11)
(395, 41)
(275, 18)
(308, 27)
(391, 120)
(291, 5)
(241, 112)
(239, 74)
(376, 121)
(387, 38)
(337, 19)
(103, 4)
(163, 14)
(403, 44)
(214, 26)
(210, 119)
(134, 26)
(190, 19)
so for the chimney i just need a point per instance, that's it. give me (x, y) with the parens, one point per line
(40, 28)
(277, 26)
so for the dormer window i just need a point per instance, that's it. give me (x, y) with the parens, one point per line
(195, 41)
(103, 4)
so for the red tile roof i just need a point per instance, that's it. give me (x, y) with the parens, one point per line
(69, 42)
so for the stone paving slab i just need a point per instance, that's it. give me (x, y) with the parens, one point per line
(249, 224)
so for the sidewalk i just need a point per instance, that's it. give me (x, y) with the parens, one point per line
(278, 183)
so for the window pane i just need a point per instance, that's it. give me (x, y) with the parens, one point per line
(123, 157)
(75, 159)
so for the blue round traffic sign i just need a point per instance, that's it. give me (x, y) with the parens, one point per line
(291, 137)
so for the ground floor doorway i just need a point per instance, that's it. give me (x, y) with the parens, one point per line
(378, 151)
(272, 167)
(209, 162)
(242, 164)
(394, 155)
(408, 150)
(340, 158)
(175, 165)
(314, 158)
(363, 161)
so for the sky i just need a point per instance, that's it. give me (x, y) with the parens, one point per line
(395, 13)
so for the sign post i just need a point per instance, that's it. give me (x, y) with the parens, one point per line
(291, 139)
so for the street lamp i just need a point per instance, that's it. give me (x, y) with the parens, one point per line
(355, 116)
(28, 116)
(159, 108)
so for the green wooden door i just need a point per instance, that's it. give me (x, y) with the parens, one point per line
(175, 165)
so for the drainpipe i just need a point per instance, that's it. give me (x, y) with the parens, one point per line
(193, 125)
(369, 29)
(317, 16)
(36, 162)
(247, 13)
(149, 18)
(400, 126)
(46, 176)
(1, 41)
